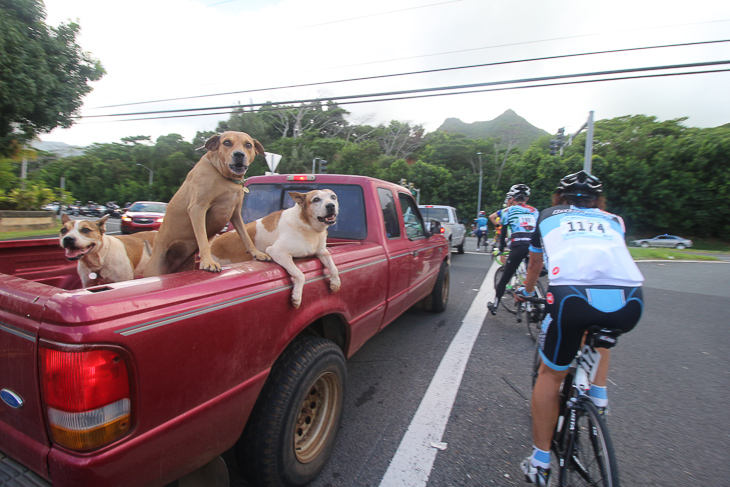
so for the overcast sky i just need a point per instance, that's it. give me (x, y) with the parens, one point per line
(160, 49)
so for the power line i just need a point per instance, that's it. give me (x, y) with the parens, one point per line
(422, 90)
(264, 108)
(367, 78)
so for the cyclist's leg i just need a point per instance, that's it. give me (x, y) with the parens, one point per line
(515, 257)
(560, 340)
(545, 405)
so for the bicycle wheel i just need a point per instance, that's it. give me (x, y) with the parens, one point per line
(507, 300)
(590, 459)
(534, 317)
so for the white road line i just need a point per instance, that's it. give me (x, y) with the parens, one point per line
(412, 463)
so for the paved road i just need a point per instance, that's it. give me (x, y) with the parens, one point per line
(668, 389)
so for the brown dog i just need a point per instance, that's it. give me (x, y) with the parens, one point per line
(299, 231)
(104, 259)
(210, 197)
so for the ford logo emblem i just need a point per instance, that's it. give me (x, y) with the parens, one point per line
(11, 399)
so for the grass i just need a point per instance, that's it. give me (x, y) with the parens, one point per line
(53, 232)
(667, 254)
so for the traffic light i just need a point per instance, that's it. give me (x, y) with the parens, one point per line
(553, 147)
(323, 166)
(561, 137)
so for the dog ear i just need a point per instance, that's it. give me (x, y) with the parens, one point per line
(298, 198)
(101, 223)
(259, 147)
(65, 218)
(213, 143)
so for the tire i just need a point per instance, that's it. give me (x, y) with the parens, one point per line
(460, 248)
(440, 294)
(589, 454)
(534, 321)
(292, 429)
(507, 300)
(536, 361)
(644, 245)
(680, 246)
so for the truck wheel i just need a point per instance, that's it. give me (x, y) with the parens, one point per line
(293, 426)
(440, 294)
(460, 248)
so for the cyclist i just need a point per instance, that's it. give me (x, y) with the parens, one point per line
(520, 219)
(481, 228)
(593, 281)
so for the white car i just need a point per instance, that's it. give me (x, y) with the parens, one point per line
(454, 231)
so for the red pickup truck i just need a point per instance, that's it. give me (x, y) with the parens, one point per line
(148, 381)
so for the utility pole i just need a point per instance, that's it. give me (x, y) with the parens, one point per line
(589, 144)
(479, 197)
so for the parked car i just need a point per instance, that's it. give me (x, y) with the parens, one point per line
(663, 241)
(453, 230)
(143, 216)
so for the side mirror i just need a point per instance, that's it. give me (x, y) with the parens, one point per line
(435, 227)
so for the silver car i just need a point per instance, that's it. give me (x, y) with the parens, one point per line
(663, 241)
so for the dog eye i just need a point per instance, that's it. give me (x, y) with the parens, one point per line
(316, 200)
(227, 143)
(334, 197)
(248, 145)
(64, 231)
(85, 230)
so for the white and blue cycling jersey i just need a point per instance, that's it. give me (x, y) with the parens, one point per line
(584, 246)
(521, 220)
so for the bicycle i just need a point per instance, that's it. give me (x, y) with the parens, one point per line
(581, 442)
(531, 310)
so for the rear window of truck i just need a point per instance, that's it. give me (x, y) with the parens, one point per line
(439, 214)
(264, 199)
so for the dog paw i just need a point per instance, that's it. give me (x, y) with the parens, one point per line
(335, 285)
(296, 302)
(262, 256)
(210, 266)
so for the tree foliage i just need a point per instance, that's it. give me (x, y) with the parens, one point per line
(44, 73)
(662, 177)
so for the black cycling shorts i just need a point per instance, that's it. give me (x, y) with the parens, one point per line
(572, 309)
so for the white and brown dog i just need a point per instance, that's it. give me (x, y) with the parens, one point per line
(299, 231)
(104, 259)
(208, 199)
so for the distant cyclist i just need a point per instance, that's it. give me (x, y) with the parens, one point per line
(520, 219)
(481, 228)
(593, 281)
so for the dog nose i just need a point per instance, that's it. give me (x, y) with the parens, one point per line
(330, 207)
(69, 241)
(239, 157)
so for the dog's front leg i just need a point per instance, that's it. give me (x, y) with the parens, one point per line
(207, 262)
(284, 259)
(238, 224)
(326, 258)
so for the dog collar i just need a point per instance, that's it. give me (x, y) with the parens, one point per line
(242, 182)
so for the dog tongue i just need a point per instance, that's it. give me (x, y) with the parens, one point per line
(73, 253)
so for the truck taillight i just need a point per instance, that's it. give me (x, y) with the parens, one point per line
(443, 230)
(87, 396)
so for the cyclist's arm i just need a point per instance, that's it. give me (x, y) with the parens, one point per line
(503, 233)
(533, 270)
(534, 267)
(493, 218)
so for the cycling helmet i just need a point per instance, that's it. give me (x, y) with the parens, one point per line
(580, 184)
(518, 189)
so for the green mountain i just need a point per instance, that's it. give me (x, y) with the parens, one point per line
(507, 127)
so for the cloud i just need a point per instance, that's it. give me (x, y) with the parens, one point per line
(160, 49)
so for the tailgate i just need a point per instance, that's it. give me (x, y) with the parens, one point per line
(22, 428)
